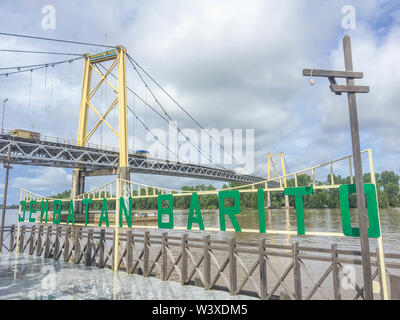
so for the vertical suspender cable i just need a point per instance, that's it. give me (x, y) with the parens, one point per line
(29, 100)
(101, 124)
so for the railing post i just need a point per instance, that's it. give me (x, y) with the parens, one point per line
(39, 241)
(102, 247)
(146, 254)
(129, 251)
(232, 266)
(88, 256)
(113, 266)
(47, 246)
(32, 241)
(184, 268)
(12, 237)
(77, 250)
(296, 271)
(378, 264)
(22, 239)
(207, 262)
(56, 252)
(335, 272)
(66, 244)
(164, 256)
(263, 269)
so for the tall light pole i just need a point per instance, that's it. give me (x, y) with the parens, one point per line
(3, 213)
(2, 119)
(351, 90)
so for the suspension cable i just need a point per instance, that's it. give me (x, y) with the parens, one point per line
(36, 67)
(56, 40)
(148, 88)
(183, 109)
(42, 52)
(149, 130)
(177, 128)
(30, 93)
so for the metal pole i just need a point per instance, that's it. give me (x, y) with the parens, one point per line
(7, 165)
(361, 203)
(116, 226)
(2, 118)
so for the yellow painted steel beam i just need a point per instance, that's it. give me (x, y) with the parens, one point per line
(105, 121)
(122, 108)
(102, 79)
(101, 120)
(105, 79)
(381, 266)
(116, 227)
(283, 170)
(84, 108)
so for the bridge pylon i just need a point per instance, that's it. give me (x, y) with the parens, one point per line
(117, 56)
(279, 171)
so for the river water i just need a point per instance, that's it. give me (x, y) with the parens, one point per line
(317, 220)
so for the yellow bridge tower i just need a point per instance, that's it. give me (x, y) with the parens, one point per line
(279, 171)
(118, 58)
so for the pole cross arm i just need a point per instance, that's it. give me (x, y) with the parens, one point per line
(332, 74)
(349, 89)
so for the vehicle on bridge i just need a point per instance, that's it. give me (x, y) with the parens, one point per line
(142, 153)
(18, 133)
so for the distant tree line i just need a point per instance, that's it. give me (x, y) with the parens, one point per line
(387, 184)
(387, 187)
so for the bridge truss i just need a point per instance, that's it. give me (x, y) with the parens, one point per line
(94, 160)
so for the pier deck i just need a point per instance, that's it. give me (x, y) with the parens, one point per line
(262, 270)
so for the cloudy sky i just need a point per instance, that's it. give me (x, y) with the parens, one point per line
(231, 64)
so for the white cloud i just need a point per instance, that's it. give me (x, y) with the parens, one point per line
(46, 180)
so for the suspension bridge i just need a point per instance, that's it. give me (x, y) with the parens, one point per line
(90, 160)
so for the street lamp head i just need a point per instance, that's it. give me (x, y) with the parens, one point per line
(312, 82)
(5, 100)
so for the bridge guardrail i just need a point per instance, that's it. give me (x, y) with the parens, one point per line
(70, 142)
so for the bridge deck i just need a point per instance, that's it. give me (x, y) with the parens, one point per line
(68, 155)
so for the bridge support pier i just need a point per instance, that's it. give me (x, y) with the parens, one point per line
(123, 173)
(78, 187)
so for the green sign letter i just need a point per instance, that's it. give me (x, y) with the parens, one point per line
(32, 210)
(372, 206)
(261, 211)
(86, 203)
(23, 204)
(298, 194)
(194, 205)
(127, 213)
(44, 209)
(230, 211)
(57, 212)
(104, 213)
(71, 213)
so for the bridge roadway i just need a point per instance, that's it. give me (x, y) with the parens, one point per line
(96, 160)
